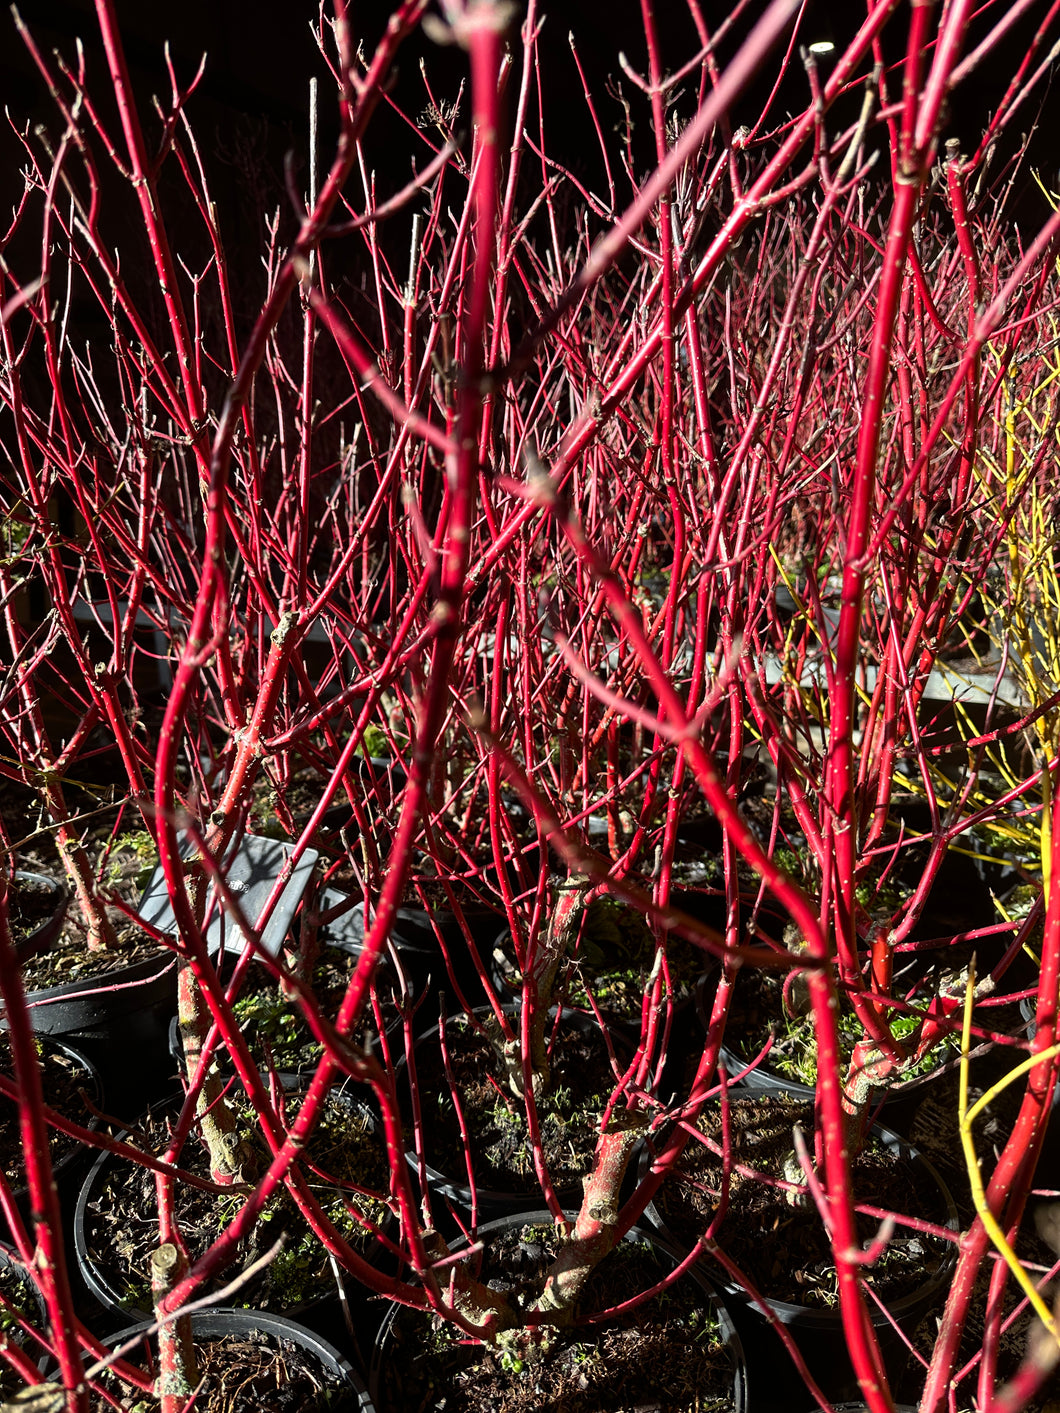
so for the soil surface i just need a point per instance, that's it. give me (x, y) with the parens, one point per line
(782, 1247)
(69, 959)
(68, 1087)
(613, 963)
(277, 807)
(257, 1373)
(274, 1024)
(568, 1115)
(30, 903)
(124, 866)
(758, 1012)
(666, 1356)
(345, 1153)
(19, 1293)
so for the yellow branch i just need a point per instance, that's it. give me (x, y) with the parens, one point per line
(975, 1177)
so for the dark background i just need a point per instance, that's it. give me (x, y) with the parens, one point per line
(251, 107)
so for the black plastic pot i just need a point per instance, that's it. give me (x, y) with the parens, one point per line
(92, 1005)
(761, 1079)
(120, 1021)
(416, 943)
(30, 1299)
(491, 1202)
(818, 1332)
(54, 897)
(413, 933)
(347, 1392)
(69, 1167)
(764, 1080)
(385, 1352)
(98, 1281)
(290, 1079)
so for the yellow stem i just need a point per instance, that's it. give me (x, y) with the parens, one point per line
(975, 1177)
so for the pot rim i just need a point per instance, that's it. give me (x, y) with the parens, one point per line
(541, 1216)
(221, 1320)
(765, 1080)
(95, 1279)
(813, 1316)
(121, 978)
(10, 1260)
(489, 1199)
(69, 1160)
(45, 933)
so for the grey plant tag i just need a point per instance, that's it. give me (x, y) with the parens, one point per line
(253, 865)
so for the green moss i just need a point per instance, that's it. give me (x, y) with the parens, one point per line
(615, 957)
(273, 1023)
(375, 742)
(135, 855)
(794, 1052)
(19, 1297)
